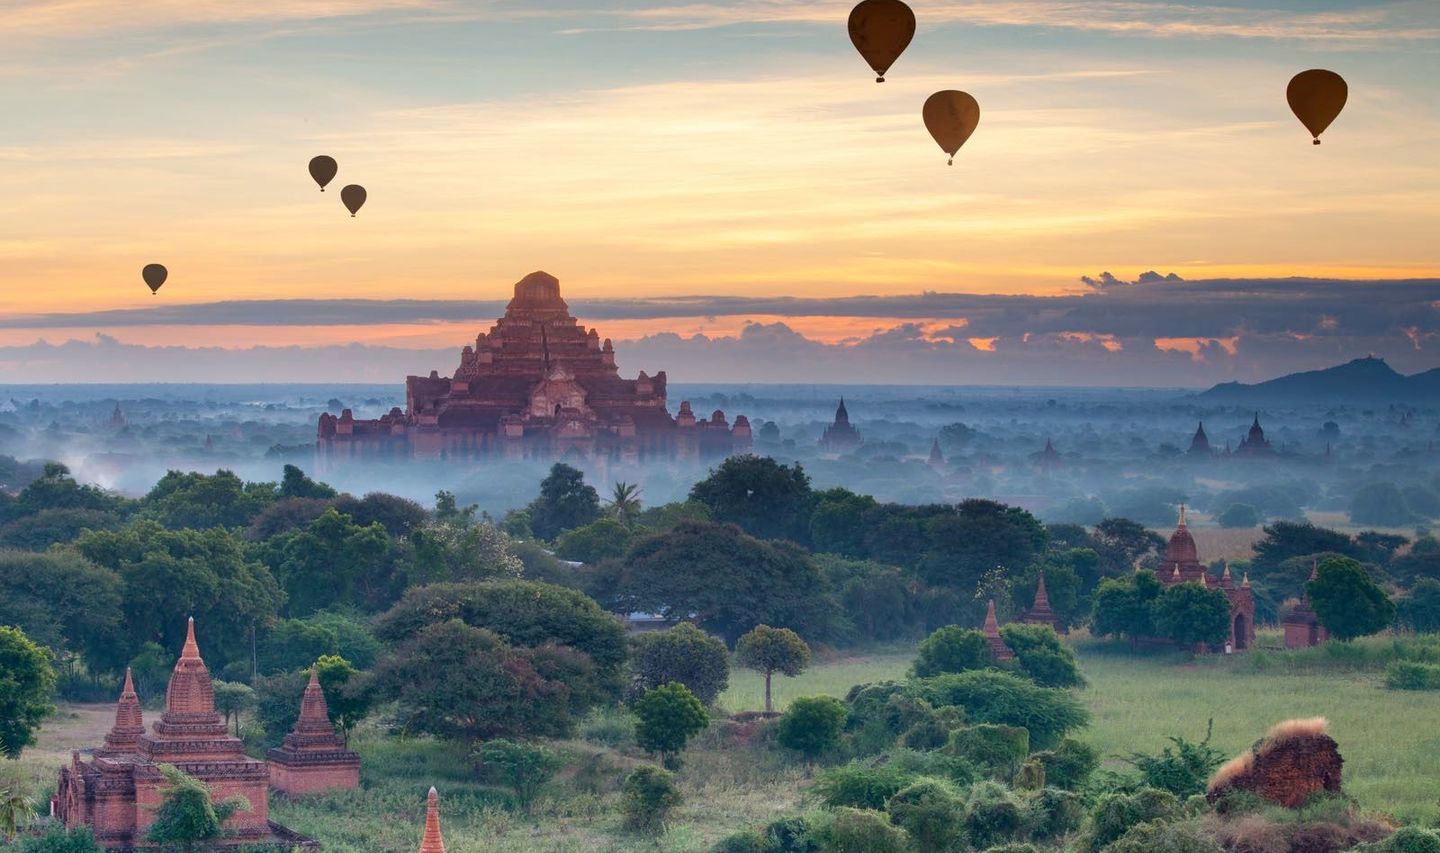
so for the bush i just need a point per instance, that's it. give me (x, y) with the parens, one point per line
(937, 765)
(861, 786)
(666, 718)
(1407, 839)
(931, 813)
(683, 654)
(744, 841)
(929, 733)
(791, 835)
(1407, 675)
(1182, 769)
(999, 750)
(861, 831)
(1041, 655)
(867, 701)
(812, 725)
(993, 814)
(1005, 699)
(1170, 837)
(524, 768)
(1069, 765)
(57, 839)
(952, 649)
(647, 798)
(1116, 814)
(1051, 813)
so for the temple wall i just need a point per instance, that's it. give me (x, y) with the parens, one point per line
(300, 779)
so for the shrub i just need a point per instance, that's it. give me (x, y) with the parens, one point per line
(998, 697)
(1030, 776)
(929, 733)
(683, 654)
(1182, 769)
(744, 841)
(1170, 837)
(812, 725)
(861, 831)
(1069, 765)
(867, 701)
(935, 764)
(1051, 813)
(791, 835)
(1041, 655)
(930, 813)
(1409, 839)
(57, 839)
(770, 650)
(1406, 675)
(666, 718)
(861, 786)
(993, 814)
(952, 649)
(1115, 814)
(999, 750)
(647, 798)
(524, 768)
(1013, 848)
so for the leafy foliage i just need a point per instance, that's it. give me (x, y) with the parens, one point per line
(1041, 655)
(764, 497)
(1420, 610)
(27, 685)
(1348, 603)
(565, 503)
(861, 831)
(931, 814)
(1005, 699)
(683, 654)
(1191, 614)
(647, 798)
(525, 768)
(812, 725)
(770, 650)
(666, 718)
(1183, 768)
(188, 816)
(952, 649)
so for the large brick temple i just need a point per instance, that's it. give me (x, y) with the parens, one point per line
(115, 789)
(538, 385)
(1182, 565)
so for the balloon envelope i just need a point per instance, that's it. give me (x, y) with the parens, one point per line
(1316, 97)
(881, 30)
(951, 117)
(354, 197)
(323, 170)
(154, 275)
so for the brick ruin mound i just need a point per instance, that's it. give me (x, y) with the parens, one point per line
(1296, 759)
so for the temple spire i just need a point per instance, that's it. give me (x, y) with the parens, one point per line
(1182, 515)
(191, 651)
(432, 842)
(1042, 600)
(998, 649)
(129, 720)
(314, 712)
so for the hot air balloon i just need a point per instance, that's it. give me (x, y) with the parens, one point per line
(951, 117)
(881, 30)
(354, 197)
(1316, 97)
(323, 170)
(154, 275)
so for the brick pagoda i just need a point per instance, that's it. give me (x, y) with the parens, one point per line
(1302, 625)
(1182, 565)
(998, 650)
(1040, 613)
(313, 757)
(537, 385)
(432, 842)
(118, 787)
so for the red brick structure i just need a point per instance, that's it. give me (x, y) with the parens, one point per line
(432, 842)
(840, 436)
(1302, 626)
(1182, 565)
(117, 788)
(313, 757)
(540, 386)
(1040, 613)
(998, 650)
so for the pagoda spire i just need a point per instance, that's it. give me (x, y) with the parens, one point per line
(998, 650)
(129, 725)
(1182, 515)
(432, 842)
(314, 712)
(190, 691)
(191, 651)
(1042, 600)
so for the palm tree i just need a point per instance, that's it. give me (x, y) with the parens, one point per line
(16, 810)
(625, 501)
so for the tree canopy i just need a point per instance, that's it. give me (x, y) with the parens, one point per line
(1348, 603)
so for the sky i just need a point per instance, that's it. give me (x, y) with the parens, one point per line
(720, 187)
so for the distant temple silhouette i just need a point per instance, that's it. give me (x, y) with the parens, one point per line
(1254, 444)
(1200, 444)
(537, 385)
(840, 436)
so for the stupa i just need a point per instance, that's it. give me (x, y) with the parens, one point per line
(313, 757)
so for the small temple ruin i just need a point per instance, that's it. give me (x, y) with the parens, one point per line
(1302, 625)
(537, 385)
(313, 757)
(115, 789)
(998, 649)
(1040, 613)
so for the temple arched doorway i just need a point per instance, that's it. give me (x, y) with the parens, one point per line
(1242, 632)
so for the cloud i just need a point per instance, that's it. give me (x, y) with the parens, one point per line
(1107, 280)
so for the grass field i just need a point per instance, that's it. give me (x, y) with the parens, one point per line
(1391, 742)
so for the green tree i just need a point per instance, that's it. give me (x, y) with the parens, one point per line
(765, 498)
(988, 696)
(61, 600)
(294, 484)
(975, 538)
(1192, 614)
(27, 686)
(233, 699)
(1124, 545)
(732, 581)
(1420, 610)
(837, 525)
(666, 718)
(56, 489)
(625, 502)
(190, 499)
(449, 511)
(16, 807)
(565, 502)
(54, 526)
(277, 703)
(1382, 504)
(1183, 768)
(1348, 603)
(601, 539)
(294, 644)
(683, 654)
(524, 768)
(348, 703)
(332, 561)
(812, 726)
(1041, 655)
(188, 817)
(770, 650)
(1239, 515)
(932, 814)
(1285, 540)
(1123, 606)
(447, 552)
(647, 797)
(952, 649)
(861, 831)
(397, 515)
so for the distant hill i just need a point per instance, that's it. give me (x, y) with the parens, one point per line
(1367, 379)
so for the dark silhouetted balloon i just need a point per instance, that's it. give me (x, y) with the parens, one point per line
(951, 117)
(154, 275)
(323, 170)
(881, 30)
(1316, 97)
(354, 197)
